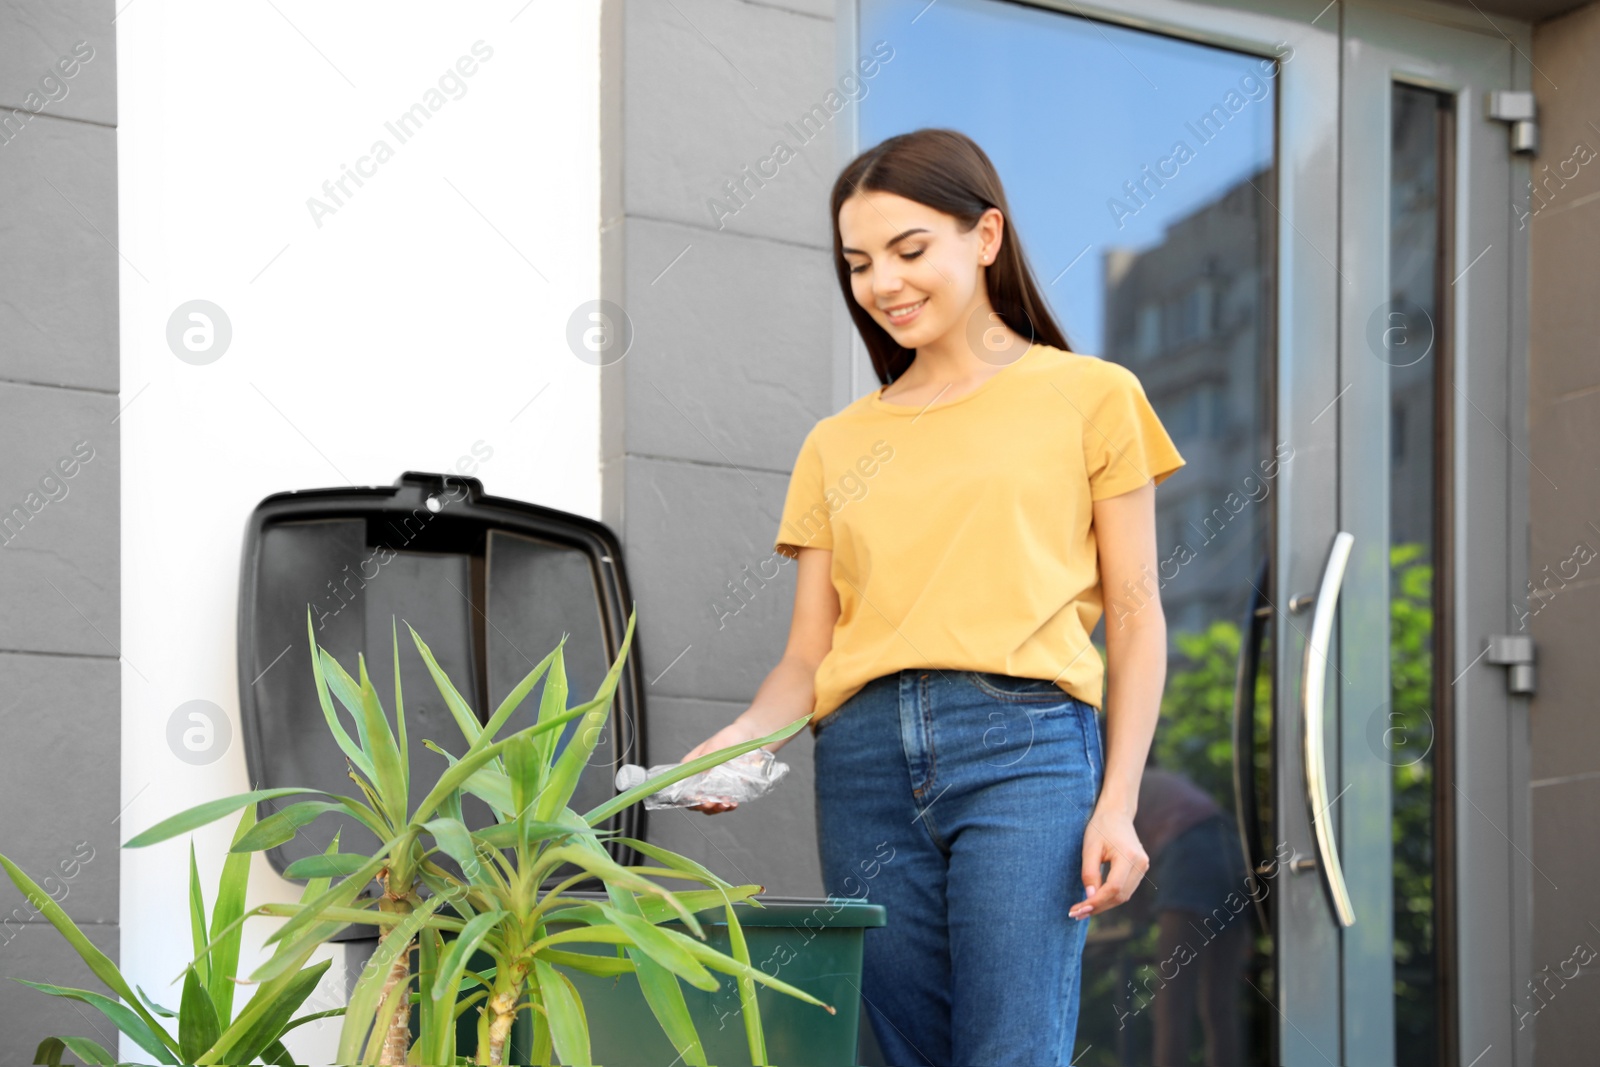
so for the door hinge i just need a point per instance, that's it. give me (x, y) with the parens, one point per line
(1514, 651)
(1518, 108)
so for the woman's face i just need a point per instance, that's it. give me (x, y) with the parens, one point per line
(912, 268)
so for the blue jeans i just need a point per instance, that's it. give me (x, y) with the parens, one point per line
(959, 799)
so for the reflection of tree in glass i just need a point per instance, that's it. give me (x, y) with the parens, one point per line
(1194, 736)
(1411, 675)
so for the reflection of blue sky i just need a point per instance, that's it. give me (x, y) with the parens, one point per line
(1069, 110)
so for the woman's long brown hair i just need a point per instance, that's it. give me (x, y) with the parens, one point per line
(947, 171)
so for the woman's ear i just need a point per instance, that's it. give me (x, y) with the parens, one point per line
(991, 234)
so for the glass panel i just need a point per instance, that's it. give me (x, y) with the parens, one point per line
(1418, 138)
(1139, 168)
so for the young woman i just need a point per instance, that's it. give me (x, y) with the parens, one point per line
(955, 531)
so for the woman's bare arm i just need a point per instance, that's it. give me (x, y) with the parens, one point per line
(1136, 670)
(789, 690)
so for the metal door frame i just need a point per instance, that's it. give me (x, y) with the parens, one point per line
(1483, 730)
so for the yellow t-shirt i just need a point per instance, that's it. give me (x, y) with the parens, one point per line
(962, 532)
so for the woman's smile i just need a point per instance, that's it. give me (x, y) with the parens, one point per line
(904, 313)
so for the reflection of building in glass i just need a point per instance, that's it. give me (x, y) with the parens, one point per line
(1191, 316)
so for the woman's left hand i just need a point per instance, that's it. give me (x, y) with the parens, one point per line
(1109, 838)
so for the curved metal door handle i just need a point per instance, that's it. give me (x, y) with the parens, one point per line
(1313, 682)
(1246, 813)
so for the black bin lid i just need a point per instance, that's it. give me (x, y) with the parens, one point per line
(490, 583)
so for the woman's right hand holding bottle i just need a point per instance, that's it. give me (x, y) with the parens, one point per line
(737, 732)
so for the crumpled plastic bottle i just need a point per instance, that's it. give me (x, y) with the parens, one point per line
(744, 777)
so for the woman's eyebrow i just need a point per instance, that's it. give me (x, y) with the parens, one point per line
(896, 239)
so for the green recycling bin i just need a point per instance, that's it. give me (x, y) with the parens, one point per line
(813, 944)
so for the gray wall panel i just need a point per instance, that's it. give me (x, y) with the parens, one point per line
(1562, 610)
(60, 677)
(33, 39)
(732, 364)
(712, 86)
(725, 368)
(58, 264)
(60, 802)
(697, 528)
(35, 951)
(59, 536)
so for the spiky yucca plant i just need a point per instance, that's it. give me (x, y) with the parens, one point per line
(207, 1031)
(512, 896)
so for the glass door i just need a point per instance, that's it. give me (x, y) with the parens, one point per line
(1432, 241)
(1173, 177)
(1265, 217)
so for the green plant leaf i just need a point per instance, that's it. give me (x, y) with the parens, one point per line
(456, 841)
(400, 716)
(301, 1020)
(693, 767)
(661, 947)
(198, 1029)
(552, 702)
(488, 784)
(357, 916)
(505, 835)
(720, 962)
(587, 963)
(339, 896)
(98, 961)
(224, 948)
(282, 825)
(671, 859)
(475, 759)
(654, 910)
(276, 1054)
(386, 759)
(271, 1019)
(351, 750)
(335, 865)
(739, 949)
(197, 918)
(663, 993)
(525, 769)
(51, 1050)
(430, 948)
(702, 952)
(443, 997)
(568, 767)
(460, 710)
(372, 730)
(122, 1017)
(286, 966)
(493, 787)
(347, 691)
(153, 1006)
(209, 812)
(596, 862)
(461, 950)
(515, 698)
(569, 1027)
(315, 887)
(543, 1051)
